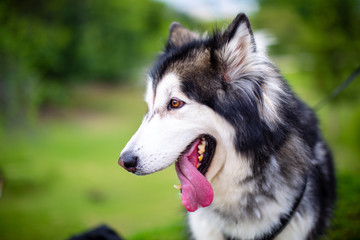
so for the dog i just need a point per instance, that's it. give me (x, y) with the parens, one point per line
(249, 154)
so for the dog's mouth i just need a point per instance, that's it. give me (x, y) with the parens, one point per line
(191, 168)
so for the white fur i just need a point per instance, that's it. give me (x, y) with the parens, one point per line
(228, 194)
(149, 94)
(238, 52)
(165, 133)
(206, 225)
(202, 228)
(242, 60)
(298, 227)
(157, 151)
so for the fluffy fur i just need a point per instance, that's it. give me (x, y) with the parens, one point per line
(271, 173)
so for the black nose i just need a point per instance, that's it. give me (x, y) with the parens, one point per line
(128, 161)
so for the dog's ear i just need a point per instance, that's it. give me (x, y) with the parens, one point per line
(178, 36)
(236, 47)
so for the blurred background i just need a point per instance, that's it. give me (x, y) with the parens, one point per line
(72, 77)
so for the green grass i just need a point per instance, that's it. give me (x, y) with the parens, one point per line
(61, 176)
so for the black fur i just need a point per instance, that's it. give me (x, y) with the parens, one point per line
(238, 102)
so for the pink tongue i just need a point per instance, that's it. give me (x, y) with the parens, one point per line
(196, 190)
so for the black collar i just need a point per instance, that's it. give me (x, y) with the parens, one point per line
(284, 219)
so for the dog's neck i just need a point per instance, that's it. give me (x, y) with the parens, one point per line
(252, 204)
(284, 219)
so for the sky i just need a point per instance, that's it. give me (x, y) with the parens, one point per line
(210, 10)
(213, 9)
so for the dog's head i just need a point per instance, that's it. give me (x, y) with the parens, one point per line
(203, 98)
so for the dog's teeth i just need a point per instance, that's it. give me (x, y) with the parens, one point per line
(201, 150)
(201, 147)
(201, 157)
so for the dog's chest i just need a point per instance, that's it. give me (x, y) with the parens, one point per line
(240, 209)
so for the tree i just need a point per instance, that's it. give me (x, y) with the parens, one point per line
(46, 46)
(325, 35)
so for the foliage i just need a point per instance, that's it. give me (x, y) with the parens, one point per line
(47, 45)
(323, 35)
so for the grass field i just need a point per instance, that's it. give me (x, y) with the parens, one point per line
(61, 177)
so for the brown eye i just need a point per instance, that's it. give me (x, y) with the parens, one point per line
(175, 103)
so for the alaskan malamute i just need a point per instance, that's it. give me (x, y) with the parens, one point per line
(249, 155)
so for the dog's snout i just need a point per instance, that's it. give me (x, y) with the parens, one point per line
(129, 161)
